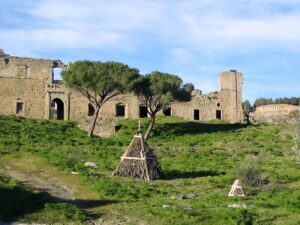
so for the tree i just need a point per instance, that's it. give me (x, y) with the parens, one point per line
(156, 90)
(99, 82)
(186, 92)
(285, 100)
(263, 101)
(247, 109)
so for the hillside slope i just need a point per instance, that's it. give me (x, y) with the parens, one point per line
(200, 161)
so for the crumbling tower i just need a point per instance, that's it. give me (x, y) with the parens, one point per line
(230, 89)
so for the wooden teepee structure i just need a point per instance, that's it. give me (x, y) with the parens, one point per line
(139, 161)
(236, 189)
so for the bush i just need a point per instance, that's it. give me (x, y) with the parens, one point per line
(63, 212)
(250, 175)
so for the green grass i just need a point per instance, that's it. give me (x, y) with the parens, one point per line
(198, 158)
(17, 202)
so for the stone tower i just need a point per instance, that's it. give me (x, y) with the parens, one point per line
(230, 89)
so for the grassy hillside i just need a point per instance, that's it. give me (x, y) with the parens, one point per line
(197, 158)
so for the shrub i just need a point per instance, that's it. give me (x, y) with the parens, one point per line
(250, 175)
(64, 212)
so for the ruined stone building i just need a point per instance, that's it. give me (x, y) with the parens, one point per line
(28, 89)
(274, 113)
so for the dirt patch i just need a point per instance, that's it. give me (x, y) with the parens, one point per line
(39, 182)
(39, 176)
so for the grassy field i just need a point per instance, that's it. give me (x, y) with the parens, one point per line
(197, 158)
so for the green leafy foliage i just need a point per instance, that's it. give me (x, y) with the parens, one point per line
(99, 82)
(247, 106)
(157, 90)
(267, 101)
(99, 77)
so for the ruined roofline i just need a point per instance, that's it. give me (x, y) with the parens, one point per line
(207, 95)
(33, 59)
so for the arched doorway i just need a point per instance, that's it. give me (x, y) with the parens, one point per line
(57, 109)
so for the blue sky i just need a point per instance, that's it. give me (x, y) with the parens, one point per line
(195, 39)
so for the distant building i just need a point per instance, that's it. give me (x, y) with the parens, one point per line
(28, 89)
(274, 113)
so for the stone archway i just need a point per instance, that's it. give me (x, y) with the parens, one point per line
(57, 109)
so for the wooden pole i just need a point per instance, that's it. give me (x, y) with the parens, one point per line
(139, 126)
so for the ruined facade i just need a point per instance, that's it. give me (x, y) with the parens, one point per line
(28, 89)
(274, 113)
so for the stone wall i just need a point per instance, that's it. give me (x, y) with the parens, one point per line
(274, 113)
(27, 89)
(23, 83)
(205, 104)
(230, 92)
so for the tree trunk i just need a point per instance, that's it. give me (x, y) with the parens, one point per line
(93, 124)
(150, 127)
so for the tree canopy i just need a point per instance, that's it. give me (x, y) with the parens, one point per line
(247, 109)
(99, 82)
(267, 101)
(156, 90)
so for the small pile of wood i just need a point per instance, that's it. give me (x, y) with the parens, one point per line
(139, 161)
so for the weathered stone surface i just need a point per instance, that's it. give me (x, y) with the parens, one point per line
(243, 206)
(28, 89)
(274, 113)
(91, 165)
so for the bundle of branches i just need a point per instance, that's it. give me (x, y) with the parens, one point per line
(139, 161)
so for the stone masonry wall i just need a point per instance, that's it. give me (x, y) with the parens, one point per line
(23, 81)
(274, 113)
(28, 84)
(206, 104)
(230, 92)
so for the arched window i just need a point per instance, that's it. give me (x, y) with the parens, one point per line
(120, 110)
(57, 109)
(91, 110)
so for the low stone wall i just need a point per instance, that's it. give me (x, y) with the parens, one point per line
(275, 114)
(103, 128)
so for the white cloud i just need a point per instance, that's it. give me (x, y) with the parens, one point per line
(192, 35)
(209, 26)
